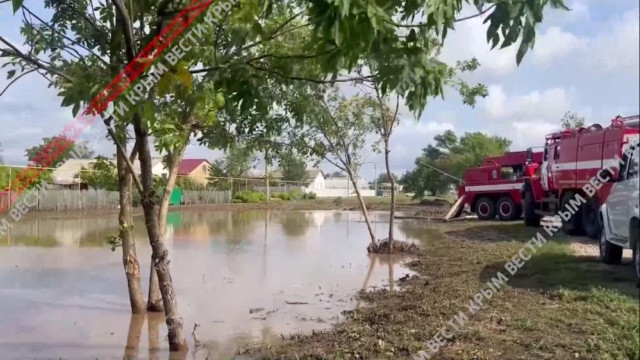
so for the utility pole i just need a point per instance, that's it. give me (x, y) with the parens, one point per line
(375, 179)
(266, 173)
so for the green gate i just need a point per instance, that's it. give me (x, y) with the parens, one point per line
(176, 197)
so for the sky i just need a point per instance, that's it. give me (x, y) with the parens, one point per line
(585, 61)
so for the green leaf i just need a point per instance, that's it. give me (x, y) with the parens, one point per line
(10, 74)
(17, 4)
(76, 108)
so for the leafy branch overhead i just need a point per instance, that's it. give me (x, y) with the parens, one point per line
(266, 43)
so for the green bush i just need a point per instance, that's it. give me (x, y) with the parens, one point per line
(249, 197)
(296, 194)
(310, 195)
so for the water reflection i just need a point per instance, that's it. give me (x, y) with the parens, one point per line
(238, 276)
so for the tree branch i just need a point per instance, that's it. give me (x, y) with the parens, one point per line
(16, 79)
(40, 64)
(454, 20)
(63, 35)
(127, 29)
(317, 81)
(123, 152)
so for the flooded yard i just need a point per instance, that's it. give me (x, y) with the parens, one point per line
(240, 277)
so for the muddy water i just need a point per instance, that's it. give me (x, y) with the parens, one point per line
(240, 277)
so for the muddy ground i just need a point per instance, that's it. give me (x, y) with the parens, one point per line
(559, 305)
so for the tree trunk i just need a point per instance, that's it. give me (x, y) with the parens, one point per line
(392, 207)
(160, 254)
(363, 206)
(155, 298)
(129, 254)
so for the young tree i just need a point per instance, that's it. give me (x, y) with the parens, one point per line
(337, 131)
(293, 167)
(102, 174)
(75, 149)
(238, 160)
(571, 120)
(385, 120)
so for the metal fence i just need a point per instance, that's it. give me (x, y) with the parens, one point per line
(82, 200)
(205, 197)
(65, 200)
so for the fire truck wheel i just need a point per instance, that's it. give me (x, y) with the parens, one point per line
(485, 209)
(609, 253)
(573, 226)
(506, 208)
(590, 218)
(530, 217)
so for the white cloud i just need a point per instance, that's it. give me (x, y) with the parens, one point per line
(536, 105)
(470, 40)
(526, 134)
(555, 43)
(524, 119)
(616, 48)
(579, 11)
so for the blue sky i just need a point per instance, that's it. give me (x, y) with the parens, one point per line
(585, 61)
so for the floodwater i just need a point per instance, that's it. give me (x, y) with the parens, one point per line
(241, 277)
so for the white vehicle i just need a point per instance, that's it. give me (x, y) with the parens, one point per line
(619, 214)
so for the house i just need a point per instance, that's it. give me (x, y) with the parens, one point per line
(195, 169)
(67, 174)
(343, 182)
(384, 189)
(157, 167)
(315, 180)
(341, 186)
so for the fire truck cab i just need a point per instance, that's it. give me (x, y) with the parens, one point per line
(493, 188)
(571, 159)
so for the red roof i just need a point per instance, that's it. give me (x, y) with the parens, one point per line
(188, 165)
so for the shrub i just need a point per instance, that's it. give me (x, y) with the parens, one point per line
(337, 202)
(284, 196)
(296, 194)
(310, 195)
(249, 197)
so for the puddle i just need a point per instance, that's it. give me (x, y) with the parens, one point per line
(240, 276)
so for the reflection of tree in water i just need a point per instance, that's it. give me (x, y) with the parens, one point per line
(133, 336)
(212, 349)
(375, 260)
(295, 223)
(337, 217)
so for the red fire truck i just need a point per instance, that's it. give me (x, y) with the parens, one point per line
(571, 159)
(494, 187)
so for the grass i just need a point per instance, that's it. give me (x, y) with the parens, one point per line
(558, 306)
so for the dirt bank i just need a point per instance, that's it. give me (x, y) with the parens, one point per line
(553, 308)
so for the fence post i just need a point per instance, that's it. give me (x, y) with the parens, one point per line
(9, 187)
(266, 176)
